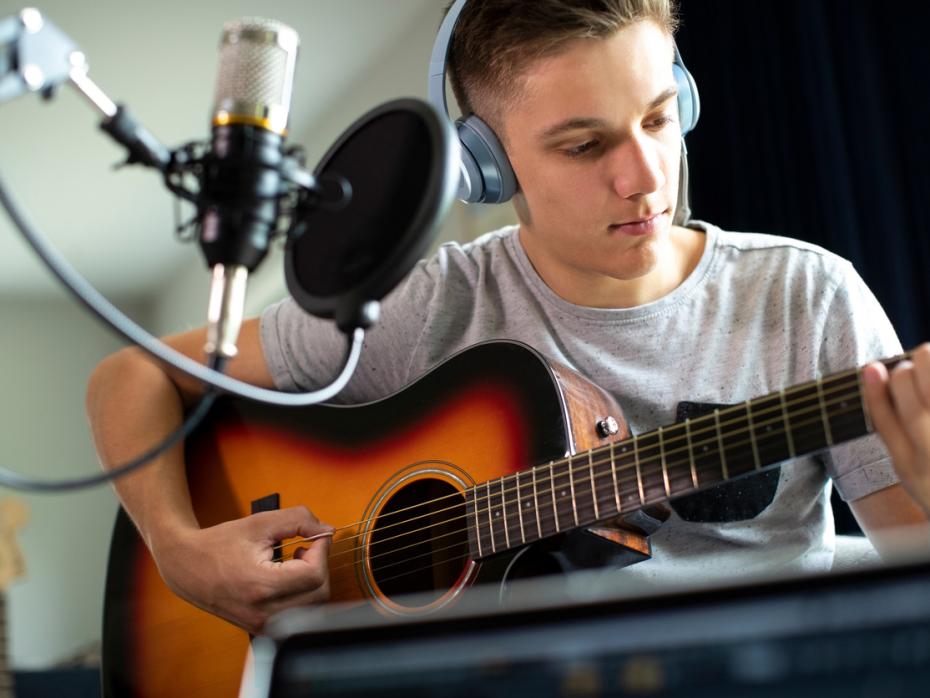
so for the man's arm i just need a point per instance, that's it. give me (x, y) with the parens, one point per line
(133, 402)
(899, 407)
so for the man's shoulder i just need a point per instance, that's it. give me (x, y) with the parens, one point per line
(766, 248)
(474, 255)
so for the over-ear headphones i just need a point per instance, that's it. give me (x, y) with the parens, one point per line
(486, 174)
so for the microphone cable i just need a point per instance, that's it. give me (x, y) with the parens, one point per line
(192, 420)
(110, 315)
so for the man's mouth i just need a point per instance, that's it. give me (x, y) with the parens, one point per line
(641, 226)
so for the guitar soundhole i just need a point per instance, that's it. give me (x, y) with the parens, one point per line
(420, 541)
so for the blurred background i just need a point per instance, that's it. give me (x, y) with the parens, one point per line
(812, 126)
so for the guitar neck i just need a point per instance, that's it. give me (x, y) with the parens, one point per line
(618, 478)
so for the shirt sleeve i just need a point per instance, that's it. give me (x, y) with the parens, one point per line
(857, 331)
(304, 352)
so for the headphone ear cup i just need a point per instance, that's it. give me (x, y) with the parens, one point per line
(490, 178)
(689, 102)
(471, 183)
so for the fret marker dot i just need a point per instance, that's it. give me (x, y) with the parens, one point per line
(526, 505)
(564, 493)
(497, 513)
(705, 449)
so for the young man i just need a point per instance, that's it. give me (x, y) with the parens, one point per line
(597, 277)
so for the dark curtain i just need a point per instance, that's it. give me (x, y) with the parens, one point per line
(814, 125)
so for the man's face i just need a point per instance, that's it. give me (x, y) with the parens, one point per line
(595, 142)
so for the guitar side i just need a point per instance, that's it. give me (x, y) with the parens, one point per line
(485, 413)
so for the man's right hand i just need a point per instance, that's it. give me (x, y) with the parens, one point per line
(133, 402)
(228, 569)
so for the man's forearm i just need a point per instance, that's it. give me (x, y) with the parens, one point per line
(893, 522)
(132, 405)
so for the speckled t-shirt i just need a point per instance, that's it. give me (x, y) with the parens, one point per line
(757, 314)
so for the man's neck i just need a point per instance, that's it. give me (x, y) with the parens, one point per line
(680, 255)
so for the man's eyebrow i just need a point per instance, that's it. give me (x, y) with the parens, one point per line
(577, 123)
(571, 125)
(664, 96)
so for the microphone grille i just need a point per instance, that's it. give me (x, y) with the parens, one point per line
(256, 73)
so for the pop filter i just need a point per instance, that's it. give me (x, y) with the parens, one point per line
(400, 164)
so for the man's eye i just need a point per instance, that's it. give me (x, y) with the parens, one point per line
(660, 122)
(579, 150)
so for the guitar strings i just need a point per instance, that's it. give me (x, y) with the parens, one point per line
(641, 452)
(545, 516)
(645, 461)
(430, 553)
(645, 472)
(693, 422)
(548, 518)
(783, 404)
(555, 513)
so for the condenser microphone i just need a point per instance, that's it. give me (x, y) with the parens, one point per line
(241, 179)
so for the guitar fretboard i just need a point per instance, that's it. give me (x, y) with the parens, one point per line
(599, 484)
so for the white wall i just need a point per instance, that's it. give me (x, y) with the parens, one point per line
(49, 347)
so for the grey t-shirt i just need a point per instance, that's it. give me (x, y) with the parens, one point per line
(758, 313)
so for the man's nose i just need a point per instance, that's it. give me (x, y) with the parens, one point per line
(637, 167)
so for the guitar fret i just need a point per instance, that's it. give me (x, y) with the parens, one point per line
(639, 473)
(865, 412)
(597, 513)
(536, 505)
(706, 450)
(600, 466)
(694, 477)
(626, 480)
(848, 419)
(520, 509)
(571, 485)
(677, 470)
(735, 427)
(723, 456)
(668, 489)
(784, 411)
(555, 508)
(490, 520)
(613, 472)
(477, 526)
(771, 437)
(565, 494)
(504, 507)
(823, 414)
(807, 428)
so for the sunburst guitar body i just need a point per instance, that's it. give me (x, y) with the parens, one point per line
(390, 476)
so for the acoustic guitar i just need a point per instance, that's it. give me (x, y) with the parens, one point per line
(430, 491)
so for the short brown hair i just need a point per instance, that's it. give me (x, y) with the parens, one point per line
(495, 40)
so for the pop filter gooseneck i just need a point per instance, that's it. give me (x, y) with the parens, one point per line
(401, 162)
